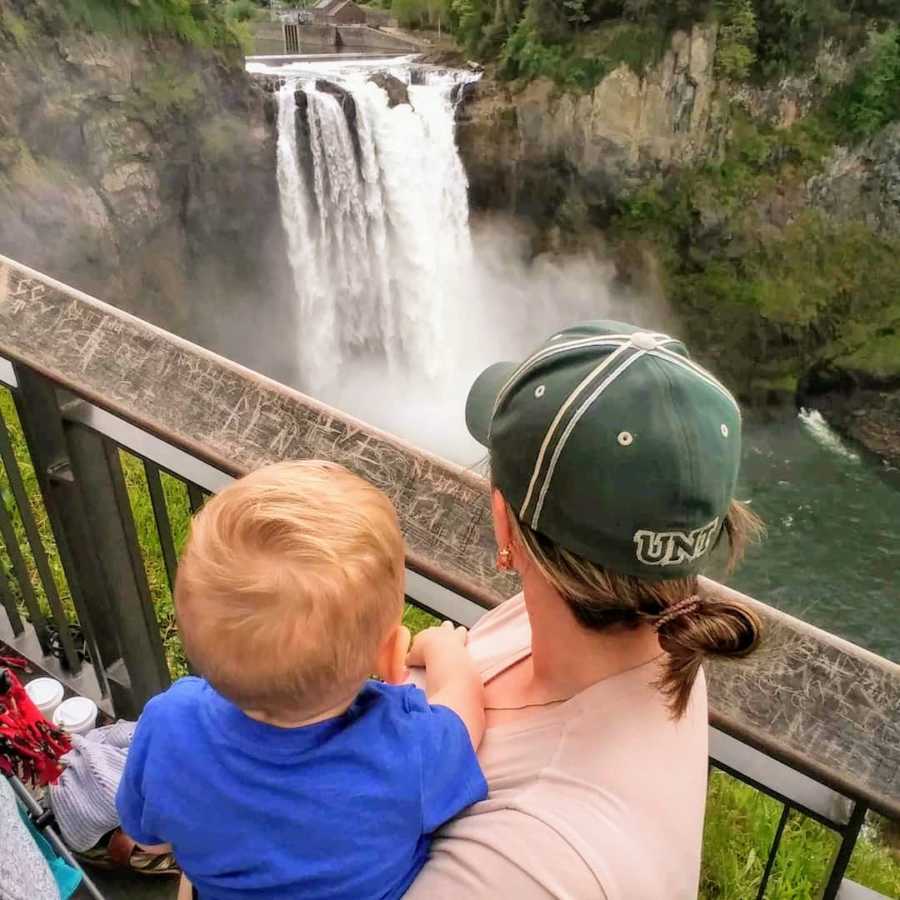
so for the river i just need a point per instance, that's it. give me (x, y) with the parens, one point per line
(403, 302)
(831, 555)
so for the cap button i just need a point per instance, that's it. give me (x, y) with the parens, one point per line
(644, 340)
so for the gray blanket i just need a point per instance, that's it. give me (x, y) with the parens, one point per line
(24, 873)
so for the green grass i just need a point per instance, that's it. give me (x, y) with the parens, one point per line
(195, 23)
(740, 822)
(10, 417)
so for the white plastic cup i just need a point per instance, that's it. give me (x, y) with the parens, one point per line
(77, 715)
(46, 694)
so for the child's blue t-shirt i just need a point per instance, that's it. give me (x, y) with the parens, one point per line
(340, 809)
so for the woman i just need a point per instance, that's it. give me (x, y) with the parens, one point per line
(613, 459)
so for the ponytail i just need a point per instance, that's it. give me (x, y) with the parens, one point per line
(690, 627)
(708, 627)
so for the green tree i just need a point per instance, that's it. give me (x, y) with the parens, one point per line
(575, 13)
(410, 13)
(873, 97)
(738, 36)
(547, 20)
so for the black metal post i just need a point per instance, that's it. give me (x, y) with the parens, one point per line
(9, 604)
(849, 837)
(38, 553)
(196, 497)
(773, 851)
(98, 471)
(39, 412)
(23, 579)
(161, 517)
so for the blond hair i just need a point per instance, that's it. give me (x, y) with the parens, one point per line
(600, 599)
(291, 579)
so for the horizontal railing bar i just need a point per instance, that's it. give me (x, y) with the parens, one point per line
(428, 593)
(770, 791)
(850, 890)
(8, 602)
(7, 373)
(803, 792)
(812, 701)
(441, 601)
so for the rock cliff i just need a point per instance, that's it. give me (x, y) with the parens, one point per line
(140, 169)
(523, 146)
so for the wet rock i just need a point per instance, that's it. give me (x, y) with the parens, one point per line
(447, 58)
(348, 105)
(142, 170)
(271, 84)
(395, 89)
(870, 417)
(863, 184)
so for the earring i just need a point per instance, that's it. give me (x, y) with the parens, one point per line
(504, 559)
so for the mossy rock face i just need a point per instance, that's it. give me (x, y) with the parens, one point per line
(876, 361)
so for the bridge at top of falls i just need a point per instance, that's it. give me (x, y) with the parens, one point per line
(289, 38)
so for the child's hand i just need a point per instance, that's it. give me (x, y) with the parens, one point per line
(451, 677)
(446, 637)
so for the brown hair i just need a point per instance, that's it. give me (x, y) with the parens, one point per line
(600, 599)
(291, 579)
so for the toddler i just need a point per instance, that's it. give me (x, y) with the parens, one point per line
(284, 771)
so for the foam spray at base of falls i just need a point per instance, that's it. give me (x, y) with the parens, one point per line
(375, 210)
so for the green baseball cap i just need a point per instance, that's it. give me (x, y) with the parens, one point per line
(613, 443)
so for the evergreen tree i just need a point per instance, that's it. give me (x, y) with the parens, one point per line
(576, 15)
(547, 19)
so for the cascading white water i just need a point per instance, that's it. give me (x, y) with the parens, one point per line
(375, 209)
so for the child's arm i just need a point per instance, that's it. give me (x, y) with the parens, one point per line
(451, 678)
(185, 889)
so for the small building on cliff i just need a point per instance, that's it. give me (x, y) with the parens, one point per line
(338, 12)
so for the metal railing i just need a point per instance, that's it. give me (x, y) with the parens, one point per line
(811, 720)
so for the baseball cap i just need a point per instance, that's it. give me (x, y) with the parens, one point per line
(613, 443)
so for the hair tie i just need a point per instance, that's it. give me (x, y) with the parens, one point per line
(681, 608)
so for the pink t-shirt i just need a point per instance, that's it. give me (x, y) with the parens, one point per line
(598, 797)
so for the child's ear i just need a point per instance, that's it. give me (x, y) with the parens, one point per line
(392, 655)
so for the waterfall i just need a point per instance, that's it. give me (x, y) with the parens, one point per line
(375, 211)
(397, 311)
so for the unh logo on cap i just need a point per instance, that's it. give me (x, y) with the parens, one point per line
(674, 548)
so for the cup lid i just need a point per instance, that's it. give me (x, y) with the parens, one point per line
(44, 691)
(75, 712)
